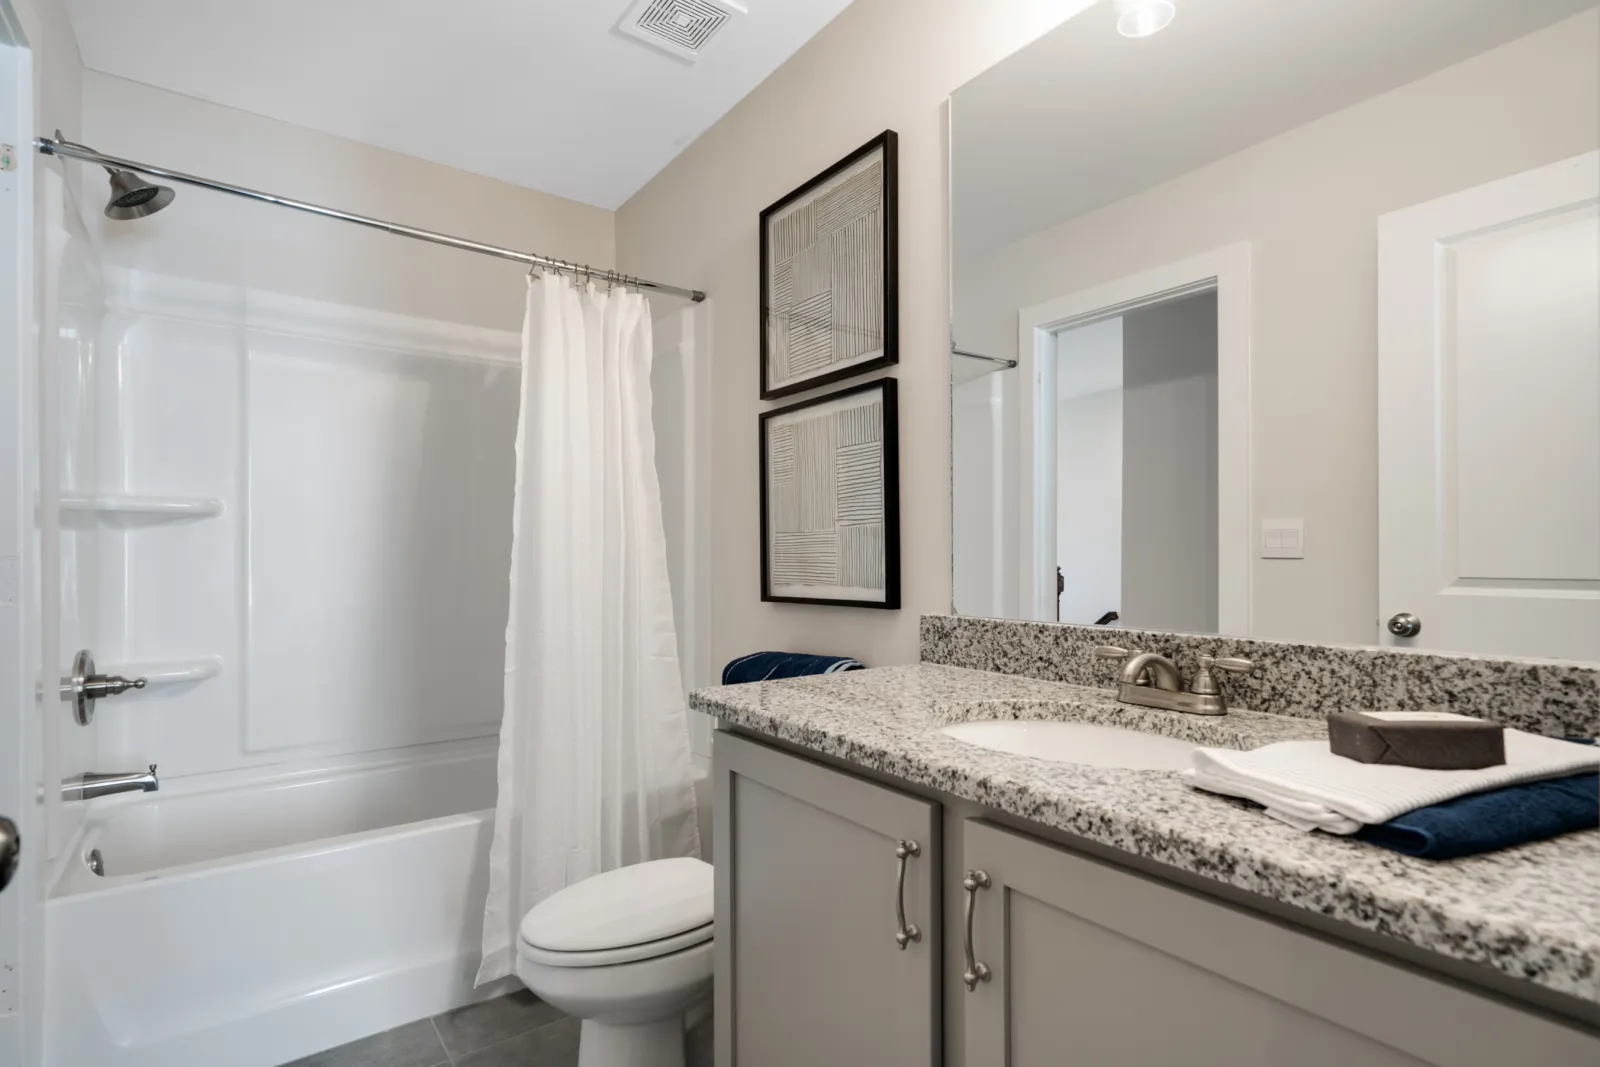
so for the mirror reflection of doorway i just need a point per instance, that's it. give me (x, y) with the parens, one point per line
(1136, 466)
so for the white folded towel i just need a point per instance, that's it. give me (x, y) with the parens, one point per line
(1304, 784)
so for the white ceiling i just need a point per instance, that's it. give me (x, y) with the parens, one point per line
(541, 93)
(1084, 117)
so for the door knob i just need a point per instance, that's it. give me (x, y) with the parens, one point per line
(10, 850)
(1405, 624)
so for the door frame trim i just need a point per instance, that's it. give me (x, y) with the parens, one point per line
(22, 907)
(1226, 271)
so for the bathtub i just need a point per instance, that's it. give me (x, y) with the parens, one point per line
(252, 925)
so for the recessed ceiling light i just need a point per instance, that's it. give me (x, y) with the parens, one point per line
(1141, 18)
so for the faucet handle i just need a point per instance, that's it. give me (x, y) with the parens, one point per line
(1205, 683)
(1113, 652)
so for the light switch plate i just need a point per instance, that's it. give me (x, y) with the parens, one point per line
(1283, 539)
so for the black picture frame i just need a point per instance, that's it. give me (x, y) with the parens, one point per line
(890, 482)
(886, 143)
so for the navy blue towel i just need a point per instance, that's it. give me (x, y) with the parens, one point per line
(1500, 818)
(764, 666)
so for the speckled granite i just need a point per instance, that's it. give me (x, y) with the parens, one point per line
(1541, 696)
(1309, 681)
(1531, 912)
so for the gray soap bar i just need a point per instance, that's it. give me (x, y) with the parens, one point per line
(1435, 740)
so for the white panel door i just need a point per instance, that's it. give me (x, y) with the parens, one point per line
(1489, 416)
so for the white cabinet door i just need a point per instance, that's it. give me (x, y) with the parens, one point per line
(1489, 416)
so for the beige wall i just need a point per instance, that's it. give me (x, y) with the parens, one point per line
(1307, 201)
(225, 239)
(881, 64)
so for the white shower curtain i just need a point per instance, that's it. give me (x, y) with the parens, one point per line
(594, 760)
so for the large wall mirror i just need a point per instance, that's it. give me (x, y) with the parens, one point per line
(1284, 321)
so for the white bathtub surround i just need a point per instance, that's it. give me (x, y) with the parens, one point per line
(594, 766)
(309, 499)
(292, 516)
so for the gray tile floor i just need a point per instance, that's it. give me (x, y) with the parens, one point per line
(516, 1030)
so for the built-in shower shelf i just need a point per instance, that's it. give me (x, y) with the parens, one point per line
(125, 508)
(169, 672)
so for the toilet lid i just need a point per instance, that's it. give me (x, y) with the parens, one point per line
(611, 957)
(628, 906)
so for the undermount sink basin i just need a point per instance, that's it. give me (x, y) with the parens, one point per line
(1077, 742)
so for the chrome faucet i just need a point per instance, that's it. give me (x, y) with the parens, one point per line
(1151, 680)
(90, 785)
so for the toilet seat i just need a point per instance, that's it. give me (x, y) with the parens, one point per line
(609, 957)
(642, 912)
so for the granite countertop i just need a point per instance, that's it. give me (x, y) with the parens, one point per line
(1531, 912)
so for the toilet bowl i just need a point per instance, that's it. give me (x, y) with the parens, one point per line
(627, 952)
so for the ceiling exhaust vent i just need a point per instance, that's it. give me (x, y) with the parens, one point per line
(680, 28)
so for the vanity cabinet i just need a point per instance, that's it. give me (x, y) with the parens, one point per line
(1090, 964)
(1087, 964)
(808, 879)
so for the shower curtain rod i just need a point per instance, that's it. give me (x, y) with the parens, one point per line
(1005, 364)
(51, 147)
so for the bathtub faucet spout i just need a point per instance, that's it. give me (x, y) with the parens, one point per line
(90, 785)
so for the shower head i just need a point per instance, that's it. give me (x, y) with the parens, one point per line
(133, 198)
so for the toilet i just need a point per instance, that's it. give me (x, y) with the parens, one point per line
(629, 953)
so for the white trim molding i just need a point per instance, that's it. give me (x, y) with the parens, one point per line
(1227, 272)
(22, 727)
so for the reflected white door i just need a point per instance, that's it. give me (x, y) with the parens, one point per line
(1489, 416)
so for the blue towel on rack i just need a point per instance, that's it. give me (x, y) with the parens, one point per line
(1500, 818)
(765, 666)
